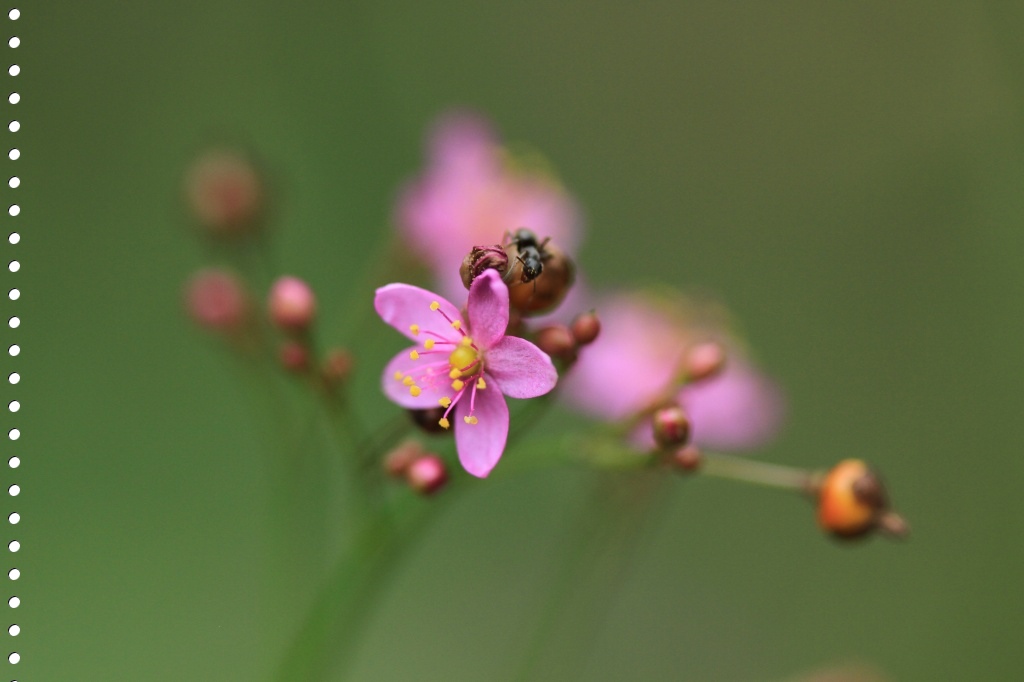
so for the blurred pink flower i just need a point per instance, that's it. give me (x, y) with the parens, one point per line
(472, 192)
(637, 361)
(468, 374)
(216, 299)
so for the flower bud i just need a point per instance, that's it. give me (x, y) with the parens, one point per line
(585, 328)
(543, 293)
(687, 458)
(852, 501)
(426, 475)
(294, 356)
(397, 462)
(337, 366)
(483, 258)
(429, 419)
(671, 426)
(703, 360)
(217, 300)
(557, 341)
(291, 304)
(225, 193)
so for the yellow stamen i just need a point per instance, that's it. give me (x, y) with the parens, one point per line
(415, 329)
(480, 383)
(455, 373)
(470, 420)
(428, 344)
(466, 341)
(444, 423)
(445, 401)
(398, 376)
(414, 391)
(408, 381)
(458, 384)
(457, 324)
(413, 355)
(435, 305)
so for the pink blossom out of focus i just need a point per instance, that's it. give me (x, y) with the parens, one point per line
(471, 193)
(466, 365)
(224, 192)
(216, 299)
(636, 360)
(291, 303)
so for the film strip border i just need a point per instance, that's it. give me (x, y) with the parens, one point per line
(13, 349)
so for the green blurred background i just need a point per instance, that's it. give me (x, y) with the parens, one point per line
(846, 176)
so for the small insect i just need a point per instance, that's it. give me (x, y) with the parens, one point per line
(530, 253)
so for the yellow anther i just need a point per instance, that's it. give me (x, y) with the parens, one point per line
(428, 344)
(414, 391)
(414, 328)
(413, 355)
(470, 419)
(435, 305)
(458, 384)
(480, 383)
(444, 423)
(398, 376)
(457, 324)
(445, 401)
(466, 341)
(408, 381)
(455, 373)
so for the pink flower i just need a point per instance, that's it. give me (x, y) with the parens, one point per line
(467, 366)
(637, 361)
(472, 192)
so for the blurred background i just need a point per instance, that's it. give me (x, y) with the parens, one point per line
(847, 177)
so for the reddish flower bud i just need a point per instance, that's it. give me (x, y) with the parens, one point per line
(294, 356)
(557, 341)
(671, 426)
(217, 300)
(852, 501)
(429, 420)
(397, 462)
(225, 193)
(483, 258)
(704, 360)
(337, 366)
(426, 475)
(291, 304)
(687, 458)
(585, 328)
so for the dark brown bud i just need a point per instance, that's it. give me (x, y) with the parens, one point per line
(428, 419)
(426, 475)
(671, 426)
(557, 341)
(586, 327)
(704, 360)
(687, 458)
(397, 462)
(544, 292)
(337, 366)
(294, 356)
(483, 258)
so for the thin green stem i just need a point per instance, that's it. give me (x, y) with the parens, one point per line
(753, 471)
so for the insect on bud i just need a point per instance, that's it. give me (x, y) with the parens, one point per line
(483, 258)
(217, 300)
(337, 366)
(687, 458)
(585, 328)
(397, 462)
(291, 304)
(225, 193)
(558, 342)
(294, 356)
(704, 360)
(852, 501)
(671, 426)
(539, 274)
(426, 475)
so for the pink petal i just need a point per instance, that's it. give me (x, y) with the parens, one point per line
(520, 369)
(399, 392)
(738, 410)
(488, 309)
(480, 445)
(403, 305)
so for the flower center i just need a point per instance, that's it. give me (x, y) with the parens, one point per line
(462, 372)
